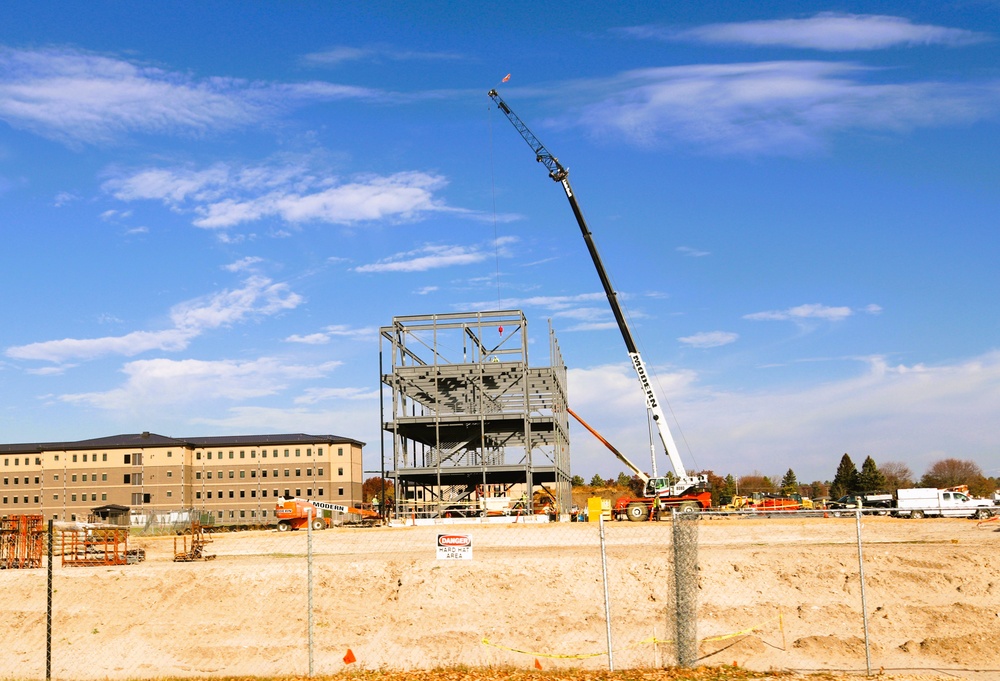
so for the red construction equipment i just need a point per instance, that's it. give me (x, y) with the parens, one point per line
(293, 513)
(22, 538)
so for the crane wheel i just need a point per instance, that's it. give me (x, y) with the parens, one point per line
(318, 524)
(688, 507)
(284, 527)
(636, 512)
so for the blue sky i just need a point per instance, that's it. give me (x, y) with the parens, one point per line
(209, 208)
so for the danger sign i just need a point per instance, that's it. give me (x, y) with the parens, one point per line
(454, 547)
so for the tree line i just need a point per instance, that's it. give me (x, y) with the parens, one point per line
(871, 478)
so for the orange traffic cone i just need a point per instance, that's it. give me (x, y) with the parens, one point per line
(538, 665)
(349, 658)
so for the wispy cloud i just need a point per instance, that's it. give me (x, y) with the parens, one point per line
(364, 333)
(692, 252)
(801, 312)
(430, 257)
(258, 296)
(709, 339)
(79, 97)
(166, 382)
(224, 196)
(828, 31)
(243, 264)
(780, 107)
(314, 395)
(340, 54)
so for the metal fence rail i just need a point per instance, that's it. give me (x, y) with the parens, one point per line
(792, 591)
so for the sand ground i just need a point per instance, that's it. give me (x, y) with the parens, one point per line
(771, 593)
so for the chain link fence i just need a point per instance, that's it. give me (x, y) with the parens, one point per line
(789, 591)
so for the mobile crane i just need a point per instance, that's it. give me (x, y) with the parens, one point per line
(686, 492)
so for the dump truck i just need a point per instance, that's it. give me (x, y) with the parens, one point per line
(293, 513)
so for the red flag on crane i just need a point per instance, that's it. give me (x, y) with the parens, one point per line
(505, 78)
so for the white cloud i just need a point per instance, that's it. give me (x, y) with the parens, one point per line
(340, 54)
(154, 382)
(424, 290)
(709, 339)
(800, 312)
(83, 98)
(243, 264)
(314, 395)
(828, 31)
(309, 339)
(912, 413)
(692, 252)
(259, 296)
(224, 196)
(784, 107)
(427, 258)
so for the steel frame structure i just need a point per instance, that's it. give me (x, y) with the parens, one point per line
(468, 416)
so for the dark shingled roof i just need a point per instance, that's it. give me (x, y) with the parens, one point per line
(139, 440)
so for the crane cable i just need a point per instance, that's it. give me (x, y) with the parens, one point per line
(493, 186)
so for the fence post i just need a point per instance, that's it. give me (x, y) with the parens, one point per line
(309, 581)
(864, 604)
(686, 583)
(48, 608)
(607, 597)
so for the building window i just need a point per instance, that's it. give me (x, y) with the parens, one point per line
(286, 453)
(104, 477)
(309, 451)
(340, 451)
(263, 474)
(93, 497)
(197, 456)
(243, 474)
(298, 472)
(286, 473)
(210, 455)
(231, 494)
(72, 498)
(169, 454)
(263, 492)
(298, 452)
(197, 495)
(128, 479)
(298, 492)
(340, 471)
(243, 494)
(319, 451)
(340, 491)
(253, 494)
(287, 492)
(275, 472)
(230, 454)
(74, 459)
(209, 495)
(231, 474)
(253, 453)
(104, 457)
(243, 454)
(319, 471)
(104, 496)
(84, 459)
(169, 494)
(197, 475)
(128, 458)
(170, 474)
(320, 491)
(309, 492)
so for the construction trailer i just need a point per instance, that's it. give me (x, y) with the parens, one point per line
(469, 417)
(22, 541)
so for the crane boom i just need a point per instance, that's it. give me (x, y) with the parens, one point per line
(560, 174)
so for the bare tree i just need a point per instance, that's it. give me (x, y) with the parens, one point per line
(954, 472)
(897, 475)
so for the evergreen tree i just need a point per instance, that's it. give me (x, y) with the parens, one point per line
(789, 483)
(623, 479)
(846, 479)
(730, 487)
(597, 481)
(871, 479)
(576, 481)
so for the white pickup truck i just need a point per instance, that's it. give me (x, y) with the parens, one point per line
(928, 501)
